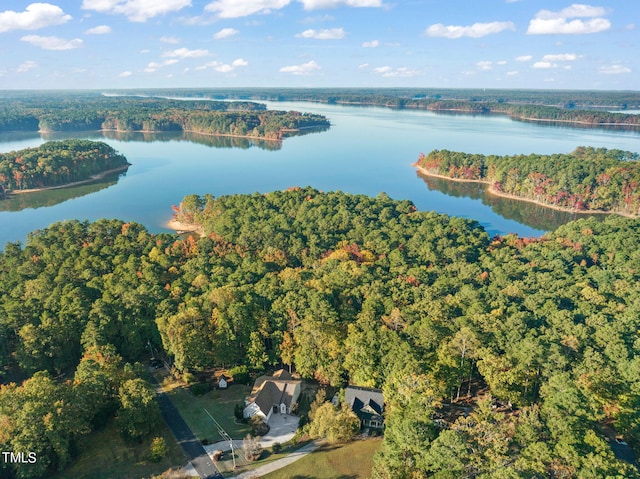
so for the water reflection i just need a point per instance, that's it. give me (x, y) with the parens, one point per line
(213, 141)
(39, 199)
(530, 214)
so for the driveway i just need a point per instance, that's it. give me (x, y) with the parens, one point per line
(199, 458)
(282, 428)
(280, 463)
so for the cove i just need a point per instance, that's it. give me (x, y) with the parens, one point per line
(367, 150)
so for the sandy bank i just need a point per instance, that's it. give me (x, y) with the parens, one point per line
(75, 183)
(181, 227)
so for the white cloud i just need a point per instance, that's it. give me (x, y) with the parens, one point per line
(477, 30)
(125, 74)
(35, 16)
(182, 53)
(575, 10)
(52, 43)
(544, 65)
(304, 69)
(224, 67)
(170, 40)
(154, 66)
(547, 22)
(99, 30)
(26, 66)
(524, 58)
(371, 44)
(485, 65)
(501, 62)
(225, 33)
(362, 66)
(561, 57)
(243, 8)
(317, 4)
(136, 10)
(614, 69)
(325, 34)
(390, 72)
(512, 73)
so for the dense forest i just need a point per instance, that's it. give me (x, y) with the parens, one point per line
(588, 179)
(57, 163)
(347, 289)
(130, 113)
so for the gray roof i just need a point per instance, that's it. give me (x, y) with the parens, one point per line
(363, 399)
(273, 390)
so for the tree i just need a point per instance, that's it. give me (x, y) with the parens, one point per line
(252, 448)
(334, 424)
(139, 413)
(158, 449)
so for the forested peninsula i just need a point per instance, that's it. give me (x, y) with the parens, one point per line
(585, 180)
(57, 163)
(536, 339)
(57, 113)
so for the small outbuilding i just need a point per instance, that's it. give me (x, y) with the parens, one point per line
(223, 382)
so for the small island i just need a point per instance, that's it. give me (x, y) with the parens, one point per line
(57, 164)
(588, 180)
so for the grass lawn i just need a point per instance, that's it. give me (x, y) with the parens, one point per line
(220, 403)
(350, 461)
(106, 455)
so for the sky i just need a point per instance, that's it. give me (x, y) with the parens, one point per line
(102, 44)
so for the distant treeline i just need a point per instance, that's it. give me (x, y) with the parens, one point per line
(94, 112)
(615, 100)
(573, 107)
(587, 179)
(57, 163)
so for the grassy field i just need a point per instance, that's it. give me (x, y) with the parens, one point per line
(106, 455)
(351, 461)
(220, 403)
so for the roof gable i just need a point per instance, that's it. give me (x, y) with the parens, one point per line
(367, 400)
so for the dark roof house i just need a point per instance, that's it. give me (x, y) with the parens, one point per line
(368, 404)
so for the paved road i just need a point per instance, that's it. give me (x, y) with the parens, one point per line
(185, 437)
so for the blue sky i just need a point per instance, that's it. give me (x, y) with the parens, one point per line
(102, 44)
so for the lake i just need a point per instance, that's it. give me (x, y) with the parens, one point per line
(367, 150)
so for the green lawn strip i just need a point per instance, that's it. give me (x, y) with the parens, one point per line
(353, 461)
(220, 403)
(242, 465)
(104, 454)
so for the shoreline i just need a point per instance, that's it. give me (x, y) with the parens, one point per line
(499, 194)
(467, 111)
(182, 228)
(97, 176)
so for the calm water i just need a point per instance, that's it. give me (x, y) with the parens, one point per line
(367, 150)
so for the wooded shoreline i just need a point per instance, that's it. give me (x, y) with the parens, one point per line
(494, 192)
(97, 176)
